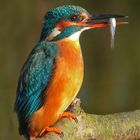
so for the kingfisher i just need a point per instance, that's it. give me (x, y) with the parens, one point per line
(53, 72)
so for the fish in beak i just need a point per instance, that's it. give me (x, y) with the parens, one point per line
(104, 20)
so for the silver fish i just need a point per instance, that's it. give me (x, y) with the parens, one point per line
(112, 22)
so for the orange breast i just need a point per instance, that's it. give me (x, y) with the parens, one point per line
(63, 87)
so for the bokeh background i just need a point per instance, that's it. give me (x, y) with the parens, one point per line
(112, 76)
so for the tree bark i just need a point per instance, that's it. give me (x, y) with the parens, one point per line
(119, 126)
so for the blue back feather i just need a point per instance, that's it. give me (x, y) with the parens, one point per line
(34, 78)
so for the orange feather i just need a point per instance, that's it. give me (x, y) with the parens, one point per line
(63, 87)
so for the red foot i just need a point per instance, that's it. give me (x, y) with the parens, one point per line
(68, 115)
(51, 129)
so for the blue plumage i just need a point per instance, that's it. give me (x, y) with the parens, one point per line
(34, 78)
(38, 69)
(57, 14)
(67, 32)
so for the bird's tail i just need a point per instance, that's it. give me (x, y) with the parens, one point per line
(26, 135)
(23, 130)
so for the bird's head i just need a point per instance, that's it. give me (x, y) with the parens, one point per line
(65, 21)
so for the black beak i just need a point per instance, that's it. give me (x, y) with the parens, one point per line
(106, 16)
(102, 20)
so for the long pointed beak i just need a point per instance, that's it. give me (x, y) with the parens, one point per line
(102, 20)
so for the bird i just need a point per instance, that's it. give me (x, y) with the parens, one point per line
(52, 75)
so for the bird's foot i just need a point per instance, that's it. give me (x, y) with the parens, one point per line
(57, 131)
(68, 115)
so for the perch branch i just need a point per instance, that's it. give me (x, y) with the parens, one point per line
(119, 126)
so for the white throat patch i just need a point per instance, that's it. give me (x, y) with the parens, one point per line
(76, 35)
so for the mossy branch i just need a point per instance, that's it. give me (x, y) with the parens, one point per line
(119, 126)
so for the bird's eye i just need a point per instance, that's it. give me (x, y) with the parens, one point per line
(76, 18)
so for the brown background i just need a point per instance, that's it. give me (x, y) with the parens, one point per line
(112, 77)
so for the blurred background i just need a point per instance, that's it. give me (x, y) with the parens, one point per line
(112, 76)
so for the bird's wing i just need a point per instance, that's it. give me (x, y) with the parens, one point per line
(34, 78)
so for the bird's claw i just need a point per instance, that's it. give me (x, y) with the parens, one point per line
(57, 131)
(69, 116)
